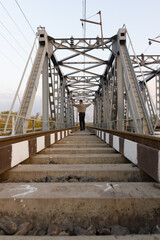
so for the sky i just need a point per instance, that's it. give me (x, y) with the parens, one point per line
(62, 19)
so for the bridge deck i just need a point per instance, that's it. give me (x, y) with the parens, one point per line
(80, 189)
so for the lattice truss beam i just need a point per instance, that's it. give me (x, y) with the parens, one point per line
(149, 65)
(83, 69)
(123, 96)
(91, 69)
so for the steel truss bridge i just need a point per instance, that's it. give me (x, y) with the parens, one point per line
(92, 69)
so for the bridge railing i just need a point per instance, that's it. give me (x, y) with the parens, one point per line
(126, 125)
(142, 150)
(34, 125)
(151, 108)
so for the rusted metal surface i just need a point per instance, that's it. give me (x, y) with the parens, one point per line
(4, 141)
(111, 140)
(121, 145)
(32, 147)
(148, 160)
(147, 140)
(27, 145)
(145, 156)
(56, 137)
(47, 140)
(5, 158)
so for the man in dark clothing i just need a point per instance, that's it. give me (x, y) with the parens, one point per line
(81, 109)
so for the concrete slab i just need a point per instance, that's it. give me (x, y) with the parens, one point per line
(71, 150)
(77, 158)
(73, 145)
(87, 137)
(82, 140)
(127, 237)
(63, 141)
(101, 172)
(129, 205)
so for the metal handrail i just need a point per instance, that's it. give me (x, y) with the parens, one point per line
(144, 80)
(10, 127)
(16, 95)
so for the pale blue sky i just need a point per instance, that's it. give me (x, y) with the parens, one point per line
(61, 18)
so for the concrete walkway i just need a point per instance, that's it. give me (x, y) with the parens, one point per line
(80, 184)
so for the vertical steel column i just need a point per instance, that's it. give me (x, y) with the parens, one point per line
(101, 108)
(98, 110)
(120, 94)
(45, 96)
(62, 107)
(104, 125)
(108, 112)
(158, 94)
(70, 111)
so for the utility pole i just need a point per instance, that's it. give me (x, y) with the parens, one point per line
(84, 17)
(84, 29)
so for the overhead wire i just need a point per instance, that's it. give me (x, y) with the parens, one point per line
(15, 23)
(25, 17)
(10, 60)
(146, 49)
(11, 46)
(26, 20)
(19, 44)
(150, 44)
(93, 15)
(157, 36)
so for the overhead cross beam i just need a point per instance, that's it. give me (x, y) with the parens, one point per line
(109, 77)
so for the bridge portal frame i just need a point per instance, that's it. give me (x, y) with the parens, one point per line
(120, 103)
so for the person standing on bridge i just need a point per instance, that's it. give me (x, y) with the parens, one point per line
(81, 109)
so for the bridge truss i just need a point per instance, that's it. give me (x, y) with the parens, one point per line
(91, 69)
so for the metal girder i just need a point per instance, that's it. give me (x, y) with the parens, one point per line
(149, 64)
(30, 92)
(85, 72)
(80, 70)
(136, 103)
(80, 43)
(79, 53)
(45, 95)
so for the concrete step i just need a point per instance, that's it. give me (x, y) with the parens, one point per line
(71, 150)
(109, 203)
(126, 237)
(83, 138)
(77, 158)
(64, 140)
(75, 172)
(82, 145)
